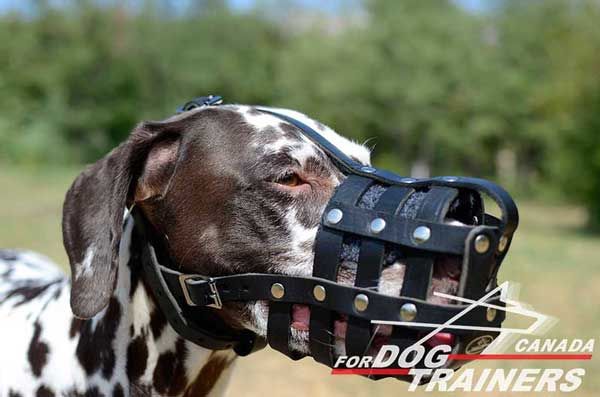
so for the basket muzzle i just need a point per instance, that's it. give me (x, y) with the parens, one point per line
(419, 221)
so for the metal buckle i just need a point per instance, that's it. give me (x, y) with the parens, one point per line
(211, 283)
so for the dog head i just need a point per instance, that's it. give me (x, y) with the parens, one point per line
(232, 189)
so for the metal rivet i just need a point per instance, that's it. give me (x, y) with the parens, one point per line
(502, 243)
(319, 293)
(334, 216)
(408, 312)
(377, 225)
(277, 290)
(361, 302)
(367, 169)
(421, 234)
(408, 180)
(482, 243)
(490, 314)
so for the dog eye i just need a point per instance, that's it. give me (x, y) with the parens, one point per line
(290, 180)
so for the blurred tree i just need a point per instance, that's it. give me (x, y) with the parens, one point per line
(572, 105)
(80, 78)
(398, 75)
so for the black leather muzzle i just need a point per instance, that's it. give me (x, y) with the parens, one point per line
(417, 221)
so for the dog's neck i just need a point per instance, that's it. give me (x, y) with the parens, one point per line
(156, 361)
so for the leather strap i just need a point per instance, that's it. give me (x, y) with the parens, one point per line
(340, 298)
(327, 259)
(446, 239)
(510, 214)
(359, 335)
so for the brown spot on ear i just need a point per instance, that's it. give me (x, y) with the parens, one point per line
(209, 375)
(38, 351)
(137, 357)
(44, 391)
(169, 374)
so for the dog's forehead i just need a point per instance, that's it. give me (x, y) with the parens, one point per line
(273, 134)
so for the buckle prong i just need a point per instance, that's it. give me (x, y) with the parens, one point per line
(217, 303)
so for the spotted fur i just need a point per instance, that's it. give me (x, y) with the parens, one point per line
(206, 179)
(127, 347)
(116, 353)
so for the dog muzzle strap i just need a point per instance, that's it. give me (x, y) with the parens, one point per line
(380, 215)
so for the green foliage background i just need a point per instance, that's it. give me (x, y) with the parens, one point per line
(511, 93)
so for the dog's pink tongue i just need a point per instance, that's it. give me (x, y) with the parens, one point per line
(300, 317)
(441, 338)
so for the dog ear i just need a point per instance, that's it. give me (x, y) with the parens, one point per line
(95, 204)
(158, 170)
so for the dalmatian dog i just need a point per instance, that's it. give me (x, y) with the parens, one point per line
(233, 190)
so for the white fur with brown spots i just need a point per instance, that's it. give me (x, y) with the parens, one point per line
(243, 161)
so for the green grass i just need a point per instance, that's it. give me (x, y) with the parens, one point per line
(31, 207)
(556, 263)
